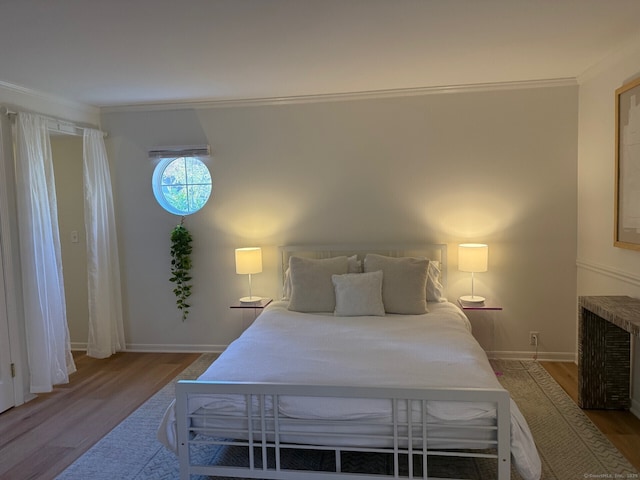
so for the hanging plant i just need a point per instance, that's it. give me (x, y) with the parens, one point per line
(181, 266)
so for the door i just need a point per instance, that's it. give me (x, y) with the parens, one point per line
(6, 377)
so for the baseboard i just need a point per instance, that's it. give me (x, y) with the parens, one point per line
(635, 407)
(172, 348)
(528, 355)
(142, 347)
(179, 348)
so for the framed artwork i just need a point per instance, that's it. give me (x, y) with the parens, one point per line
(627, 197)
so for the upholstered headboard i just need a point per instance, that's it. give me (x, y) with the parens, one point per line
(434, 252)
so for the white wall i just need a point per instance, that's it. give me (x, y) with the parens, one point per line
(603, 268)
(67, 165)
(493, 166)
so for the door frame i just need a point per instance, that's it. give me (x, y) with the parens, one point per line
(7, 396)
(10, 257)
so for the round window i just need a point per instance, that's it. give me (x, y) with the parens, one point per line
(181, 185)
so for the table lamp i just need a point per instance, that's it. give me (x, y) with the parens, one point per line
(472, 257)
(248, 262)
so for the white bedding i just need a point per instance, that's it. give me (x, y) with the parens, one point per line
(416, 351)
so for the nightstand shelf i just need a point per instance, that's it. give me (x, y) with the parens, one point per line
(478, 306)
(260, 304)
(482, 319)
(250, 311)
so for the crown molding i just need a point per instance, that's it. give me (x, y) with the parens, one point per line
(18, 97)
(336, 97)
(15, 95)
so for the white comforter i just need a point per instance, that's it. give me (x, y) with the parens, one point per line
(431, 350)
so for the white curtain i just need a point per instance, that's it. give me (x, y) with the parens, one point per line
(106, 331)
(48, 343)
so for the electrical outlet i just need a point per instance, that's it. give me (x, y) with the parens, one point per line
(534, 337)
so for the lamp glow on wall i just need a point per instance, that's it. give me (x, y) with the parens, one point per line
(474, 258)
(248, 262)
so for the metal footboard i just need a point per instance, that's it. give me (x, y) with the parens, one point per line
(262, 436)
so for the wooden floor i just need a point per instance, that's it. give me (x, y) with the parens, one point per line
(622, 428)
(40, 439)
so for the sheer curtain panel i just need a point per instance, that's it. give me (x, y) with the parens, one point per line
(106, 331)
(48, 343)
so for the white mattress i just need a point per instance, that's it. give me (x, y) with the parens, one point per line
(415, 351)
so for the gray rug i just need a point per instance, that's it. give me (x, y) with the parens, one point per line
(570, 446)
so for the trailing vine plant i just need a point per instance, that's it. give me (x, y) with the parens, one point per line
(181, 266)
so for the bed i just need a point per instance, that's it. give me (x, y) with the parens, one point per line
(364, 354)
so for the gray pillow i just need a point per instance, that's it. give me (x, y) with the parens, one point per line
(355, 266)
(358, 294)
(404, 282)
(311, 286)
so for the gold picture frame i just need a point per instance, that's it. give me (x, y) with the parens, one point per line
(627, 175)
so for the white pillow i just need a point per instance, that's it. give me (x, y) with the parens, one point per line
(311, 286)
(404, 283)
(358, 294)
(435, 290)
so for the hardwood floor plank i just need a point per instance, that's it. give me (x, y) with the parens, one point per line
(41, 438)
(621, 427)
(35, 466)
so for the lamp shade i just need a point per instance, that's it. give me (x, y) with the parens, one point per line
(473, 257)
(248, 260)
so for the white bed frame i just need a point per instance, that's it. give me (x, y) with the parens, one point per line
(262, 433)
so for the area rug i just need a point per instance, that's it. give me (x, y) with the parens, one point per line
(570, 446)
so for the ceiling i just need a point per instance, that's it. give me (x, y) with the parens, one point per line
(125, 52)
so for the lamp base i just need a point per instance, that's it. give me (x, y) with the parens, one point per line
(252, 299)
(472, 299)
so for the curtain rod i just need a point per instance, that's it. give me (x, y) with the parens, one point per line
(57, 125)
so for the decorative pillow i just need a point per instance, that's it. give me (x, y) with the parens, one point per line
(404, 282)
(358, 294)
(311, 286)
(355, 266)
(435, 290)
